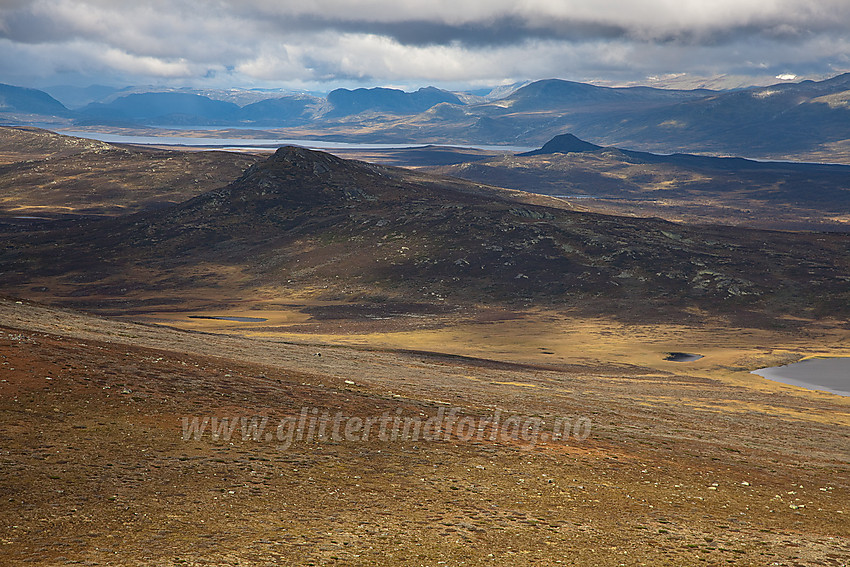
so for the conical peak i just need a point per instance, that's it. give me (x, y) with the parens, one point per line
(569, 143)
(309, 161)
(564, 144)
(302, 177)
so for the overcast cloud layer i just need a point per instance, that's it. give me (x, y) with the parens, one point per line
(319, 44)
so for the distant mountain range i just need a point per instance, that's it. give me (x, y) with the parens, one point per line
(805, 120)
(161, 108)
(191, 109)
(345, 102)
(77, 97)
(23, 101)
(791, 116)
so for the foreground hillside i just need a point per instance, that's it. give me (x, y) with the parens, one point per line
(676, 469)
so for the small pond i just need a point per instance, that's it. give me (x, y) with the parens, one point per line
(828, 374)
(228, 318)
(682, 357)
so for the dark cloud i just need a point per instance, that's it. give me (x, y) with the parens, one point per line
(26, 27)
(501, 31)
(284, 42)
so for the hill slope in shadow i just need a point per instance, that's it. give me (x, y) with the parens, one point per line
(311, 222)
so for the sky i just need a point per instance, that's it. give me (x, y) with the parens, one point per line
(460, 44)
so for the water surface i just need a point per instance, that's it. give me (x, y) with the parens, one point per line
(827, 374)
(261, 143)
(229, 318)
(682, 357)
